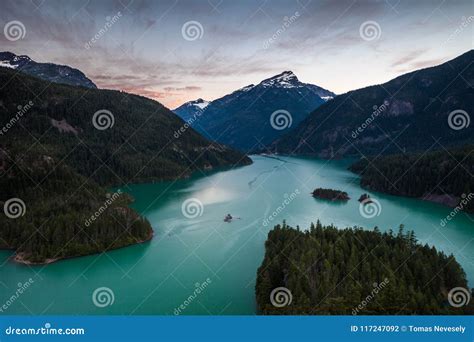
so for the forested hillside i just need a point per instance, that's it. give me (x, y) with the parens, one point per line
(441, 174)
(57, 156)
(410, 112)
(50, 217)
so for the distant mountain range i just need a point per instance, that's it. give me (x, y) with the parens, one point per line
(244, 120)
(190, 109)
(414, 112)
(46, 71)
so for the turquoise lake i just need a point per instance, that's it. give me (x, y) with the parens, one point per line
(159, 276)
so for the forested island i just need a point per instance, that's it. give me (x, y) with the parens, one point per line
(327, 270)
(443, 176)
(58, 157)
(330, 194)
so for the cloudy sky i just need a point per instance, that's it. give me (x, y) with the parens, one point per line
(180, 50)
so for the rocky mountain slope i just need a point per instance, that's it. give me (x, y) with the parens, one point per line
(46, 71)
(409, 113)
(255, 115)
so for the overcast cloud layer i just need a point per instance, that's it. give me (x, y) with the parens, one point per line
(143, 50)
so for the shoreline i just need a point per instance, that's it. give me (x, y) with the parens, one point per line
(19, 258)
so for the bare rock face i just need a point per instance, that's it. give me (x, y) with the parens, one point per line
(64, 127)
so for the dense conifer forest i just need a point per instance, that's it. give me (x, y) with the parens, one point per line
(64, 213)
(354, 271)
(444, 172)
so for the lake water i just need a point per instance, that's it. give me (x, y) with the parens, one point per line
(213, 261)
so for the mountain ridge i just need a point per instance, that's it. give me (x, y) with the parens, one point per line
(243, 118)
(56, 73)
(411, 108)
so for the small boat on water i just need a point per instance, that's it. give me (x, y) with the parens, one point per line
(228, 218)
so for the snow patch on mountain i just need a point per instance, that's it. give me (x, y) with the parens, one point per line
(6, 64)
(286, 79)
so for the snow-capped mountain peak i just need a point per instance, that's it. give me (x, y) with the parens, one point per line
(287, 79)
(191, 108)
(47, 71)
(199, 103)
(12, 61)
